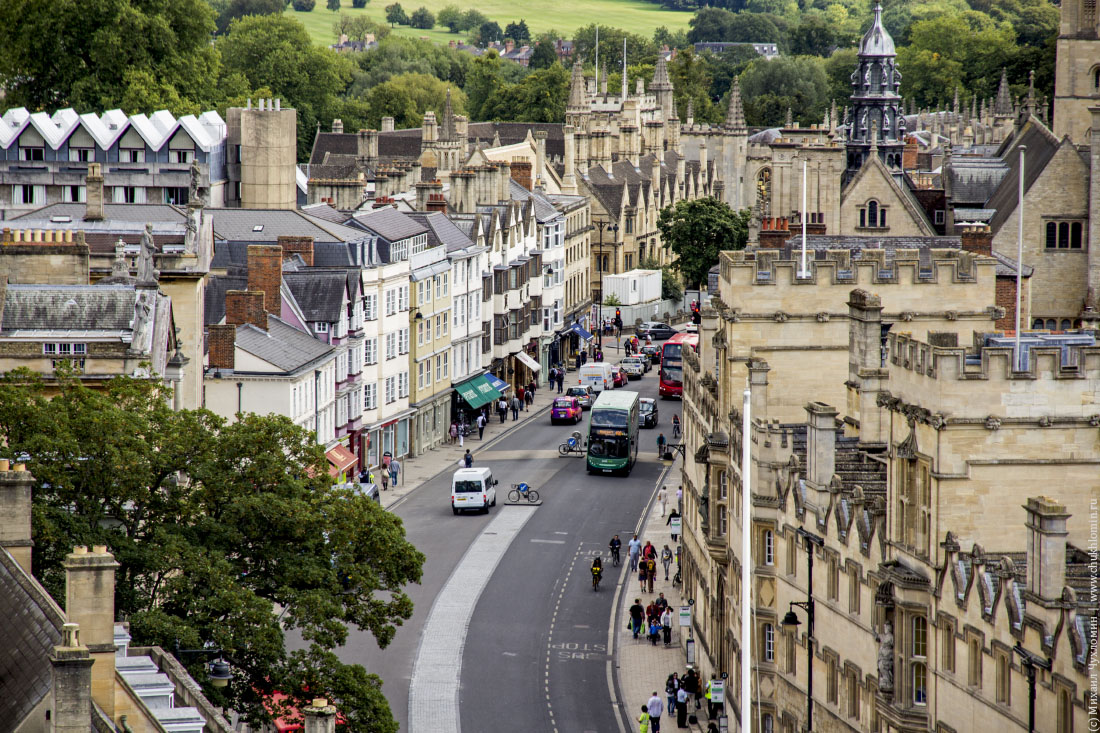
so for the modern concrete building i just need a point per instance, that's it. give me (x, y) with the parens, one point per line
(261, 146)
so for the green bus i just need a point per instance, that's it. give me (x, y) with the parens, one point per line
(613, 432)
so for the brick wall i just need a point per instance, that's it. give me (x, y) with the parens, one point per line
(977, 239)
(265, 273)
(1006, 298)
(245, 306)
(521, 172)
(298, 246)
(221, 340)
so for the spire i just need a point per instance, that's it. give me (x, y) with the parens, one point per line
(832, 118)
(1003, 105)
(735, 113)
(877, 41)
(955, 105)
(576, 87)
(790, 119)
(661, 88)
(448, 132)
(1031, 92)
(691, 112)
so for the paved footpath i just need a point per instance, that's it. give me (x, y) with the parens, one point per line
(447, 456)
(640, 666)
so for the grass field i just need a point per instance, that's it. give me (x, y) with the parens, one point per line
(563, 16)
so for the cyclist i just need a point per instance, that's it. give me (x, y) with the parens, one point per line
(615, 544)
(597, 572)
(676, 426)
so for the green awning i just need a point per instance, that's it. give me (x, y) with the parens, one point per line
(478, 392)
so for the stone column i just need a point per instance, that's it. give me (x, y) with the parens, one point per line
(90, 602)
(1046, 547)
(15, 512)
(320, 717)
(71, 684)
(758, 387)
(1093, 299)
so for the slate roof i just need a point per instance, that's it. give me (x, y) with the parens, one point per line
(975, 181)
(214, 297)
(137, 213)
(238, 225)
(69, 308)
(281, 345)
(441, 230)
(326, 212)
(319, 294)
(338, 143)
(544, 209)
(1041, 147)
(390, 224)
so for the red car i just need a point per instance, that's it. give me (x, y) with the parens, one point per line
(618, 377)
(566, 409)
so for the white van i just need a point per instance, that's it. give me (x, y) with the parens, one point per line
(473, 488)
(598, 375)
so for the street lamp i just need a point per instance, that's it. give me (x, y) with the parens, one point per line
(1031, 661)
(666, 456)
(791, 622)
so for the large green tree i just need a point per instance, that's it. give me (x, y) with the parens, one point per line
(77, 53)
(697, 230)
(216, 527)
(772, 87)
(407, 97)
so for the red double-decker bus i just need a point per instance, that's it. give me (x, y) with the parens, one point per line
(672, 363)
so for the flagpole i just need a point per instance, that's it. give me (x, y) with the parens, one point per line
(746, 565)
(804, 273)
(1019, 256)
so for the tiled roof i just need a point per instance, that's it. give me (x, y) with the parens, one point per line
(214, 297)
(441, 230)
(319, 294)
(974, 182)
(69, 307)
(390, 224)
(281, 345)
(240, 225)
(1041, 147)
(136, 213)
(326, 212)
(544, 209)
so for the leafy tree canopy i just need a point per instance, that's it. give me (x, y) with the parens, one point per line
(795, 82)
(540, 97)
(697, 230)
(357, 27)
(400, 55)
(639, 50)
(239, 8)
(395, 15)
(407, 97)
(518, 32)
(422, 18)
(214, 526)
(545, 54)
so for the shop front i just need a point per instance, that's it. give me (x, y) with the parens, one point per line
(391, 436)
(470, 397)
(341, 464)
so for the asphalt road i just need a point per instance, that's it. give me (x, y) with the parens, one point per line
(536, 653)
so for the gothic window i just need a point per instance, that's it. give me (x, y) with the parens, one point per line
(1065, 711)
(1003, 670)
(853, 695)
(947, 646)
(872, 215)
(1064, 325)
(769, 547)
(792, 556)
(1096, 79)
(974, 668)
(1063, 235)
(919, 663)
(832, 682)
(853, 589)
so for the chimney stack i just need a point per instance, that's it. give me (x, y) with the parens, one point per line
(16, 483)
(758, 387)
(93, 209)
(320, 717)
(367, 146)
(436, 202)
(425, 193)
(387, 124)
(820, 444)
(245, 306)
(978, 239)
(90, 602)
(1046, 547)
(71, 684)
(265, 273)
(338, 127)
(221, 343)
(569, 177)
(521, 172)
(297, 246)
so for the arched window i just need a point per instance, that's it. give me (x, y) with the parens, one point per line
(1096, 79)
(1052, 235)
(1075, 235)
(1037, 324)
(1051, 324)
(1063, 235)
(919, 650)
(1065, 325)
(872, 213)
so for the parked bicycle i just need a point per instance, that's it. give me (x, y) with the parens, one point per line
(574, 445)
(522, 490)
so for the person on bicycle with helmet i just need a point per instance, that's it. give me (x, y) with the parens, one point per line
(615, 544)
(597, 570)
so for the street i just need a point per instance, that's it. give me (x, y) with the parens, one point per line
(536, 640)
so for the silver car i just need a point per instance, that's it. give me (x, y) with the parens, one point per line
(633, 367)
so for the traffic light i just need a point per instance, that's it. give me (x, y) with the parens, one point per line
(618, 318)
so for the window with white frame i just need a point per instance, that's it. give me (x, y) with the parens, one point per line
(446, 322)
(181, 156)
(370, 307)
(438, 286)
(320, 327)
(74, 194)
(370, 396)
(399, 251)
(391, 301)
(769, 643)
(391, 346)
(131, 155)
(403, 383)
(403, 298)
(403, 340)
(446, 365)
(370, 351)
(446, 277)
(420, 378)
(419, 243)
(439, 368)
(28, 194)
(81, 155)
(35, 153)
(420, 333)
(438, 326)
(919, 657)
(769, 547)
(391, 389)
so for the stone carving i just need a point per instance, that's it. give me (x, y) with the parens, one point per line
(195, 183)
(952, 315)
(992, 423)
(908, 316)
(822, 317)
(1045, 421)
(886, 658)
(146, 272)
(781, 317)
(1094, 421)
(937, 420)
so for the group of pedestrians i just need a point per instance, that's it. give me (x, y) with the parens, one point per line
(389, 472)
(556, 377)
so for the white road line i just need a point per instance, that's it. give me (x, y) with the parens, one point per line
(434, 688)
(550, 542)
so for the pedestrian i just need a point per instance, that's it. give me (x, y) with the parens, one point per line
(642, 569)
(660, 603)
(691, 685)
(502, 409)
(711, 706)
(637, 616)
(454, 431)
(679, 497)
(654, 631)
(681, 707)
(385, 478)
(661, 445)
(668, 522)
(649, 552)
(666, 625)
(481, 426)
(462, 435)
(666, 559)
(529, 398)
(662, 499)
(697, 690)
(561, 380)
(521, 392)
(643, 720)
(531, 388)
(634, 547)
(468, 459)
(515, 407)
(395, 471)
(672, 684)
(650, 572)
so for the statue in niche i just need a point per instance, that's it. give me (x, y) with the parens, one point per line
(886, 658)
(867, 78)
(885, 77)
(146, 272)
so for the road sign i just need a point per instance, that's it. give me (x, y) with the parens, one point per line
(717, 691)
(685, 616)
(674, 525)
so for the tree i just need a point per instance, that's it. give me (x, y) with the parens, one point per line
(356, 27)
(518, 32)
(691, 81)
(92, 45)
(697, 230)
(673, 39)
(639, 50)
(422, 18)
(540, 97)
(304, 6)
(472, 20)
(400, 55)
(544, 56)
(799, 83)
(395, 15)
(489, 32)
(213, 525)
(360, 4)
(333, 5)
(451, 17)
(240, 8)
(814, 36)
(407, 97)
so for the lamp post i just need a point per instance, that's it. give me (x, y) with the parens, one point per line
(1031, 661)
(791, 622)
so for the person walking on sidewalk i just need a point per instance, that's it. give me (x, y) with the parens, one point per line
(711, 705)
(468, 459)
(385, 478)
(561, 379)
(682, 696)
(642, 576)
(666, 626)
(672, 684)
(666, 559)
(643, 720)
(656, 708)
(515, 407)
(502, 409)
(453, 432)
(481, 426)
(635, 549)
(650, 572)
(395, 471)
(674, 514)
(662, 499)
(529, 398)
(521, 392)
(661, 445)
(637, 616)
(649, 552)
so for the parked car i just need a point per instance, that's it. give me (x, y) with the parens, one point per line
(633, 366)
(619, 377)
(566, 409)
(584, 394)
(653, 351)
(655, 330)
(647, 412)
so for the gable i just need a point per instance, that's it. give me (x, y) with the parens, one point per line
(131, 140)
(31, 138)
(181, 141)
(874, 182)
(81, 138)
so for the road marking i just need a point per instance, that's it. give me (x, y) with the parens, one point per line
(433, 691)
(561, 533)
(550, 542)
(510, 654)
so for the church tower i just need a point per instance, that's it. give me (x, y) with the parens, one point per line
(1076, 70)
(661, 87)
(876, 103)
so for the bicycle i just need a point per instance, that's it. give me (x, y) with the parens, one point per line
(524, 490)
(573, 445)
(595, 580)
(615, 556)
(676, 429)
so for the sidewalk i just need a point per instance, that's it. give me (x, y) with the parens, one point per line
(446, 456)
(640, 666)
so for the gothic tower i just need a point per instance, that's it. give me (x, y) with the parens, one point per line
(661, 87)
(1076, 70)
(876, 103)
